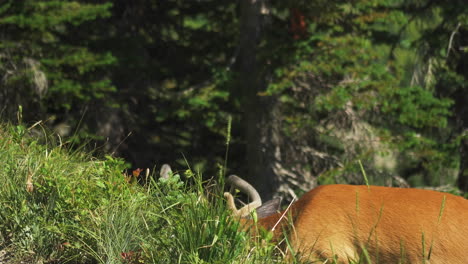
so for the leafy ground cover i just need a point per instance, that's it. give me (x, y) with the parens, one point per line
(62, 206)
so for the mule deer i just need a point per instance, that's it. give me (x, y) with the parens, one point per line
(380, 224)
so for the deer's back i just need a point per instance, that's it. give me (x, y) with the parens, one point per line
(391, 224)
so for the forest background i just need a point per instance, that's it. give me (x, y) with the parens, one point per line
(290, 94)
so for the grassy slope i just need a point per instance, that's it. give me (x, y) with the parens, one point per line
(60, 206)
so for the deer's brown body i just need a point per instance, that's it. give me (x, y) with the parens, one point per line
(390, 225)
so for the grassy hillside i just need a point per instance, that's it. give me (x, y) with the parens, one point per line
(59, 206)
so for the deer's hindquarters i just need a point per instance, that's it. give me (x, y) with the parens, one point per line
(389, 224)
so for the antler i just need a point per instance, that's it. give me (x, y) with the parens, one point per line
(248, 189)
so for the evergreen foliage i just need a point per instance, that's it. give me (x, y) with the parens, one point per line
(47, 63)
(377, 81)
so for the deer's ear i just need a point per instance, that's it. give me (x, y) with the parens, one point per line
(268, 208)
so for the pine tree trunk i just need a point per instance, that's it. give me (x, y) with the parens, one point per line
(260, 116)
(463, 172)
(461, 112)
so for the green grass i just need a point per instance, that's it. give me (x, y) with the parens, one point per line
(62, 206)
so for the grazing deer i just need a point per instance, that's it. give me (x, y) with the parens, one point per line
(379, 224)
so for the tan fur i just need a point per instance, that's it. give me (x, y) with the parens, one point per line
(390, 224)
